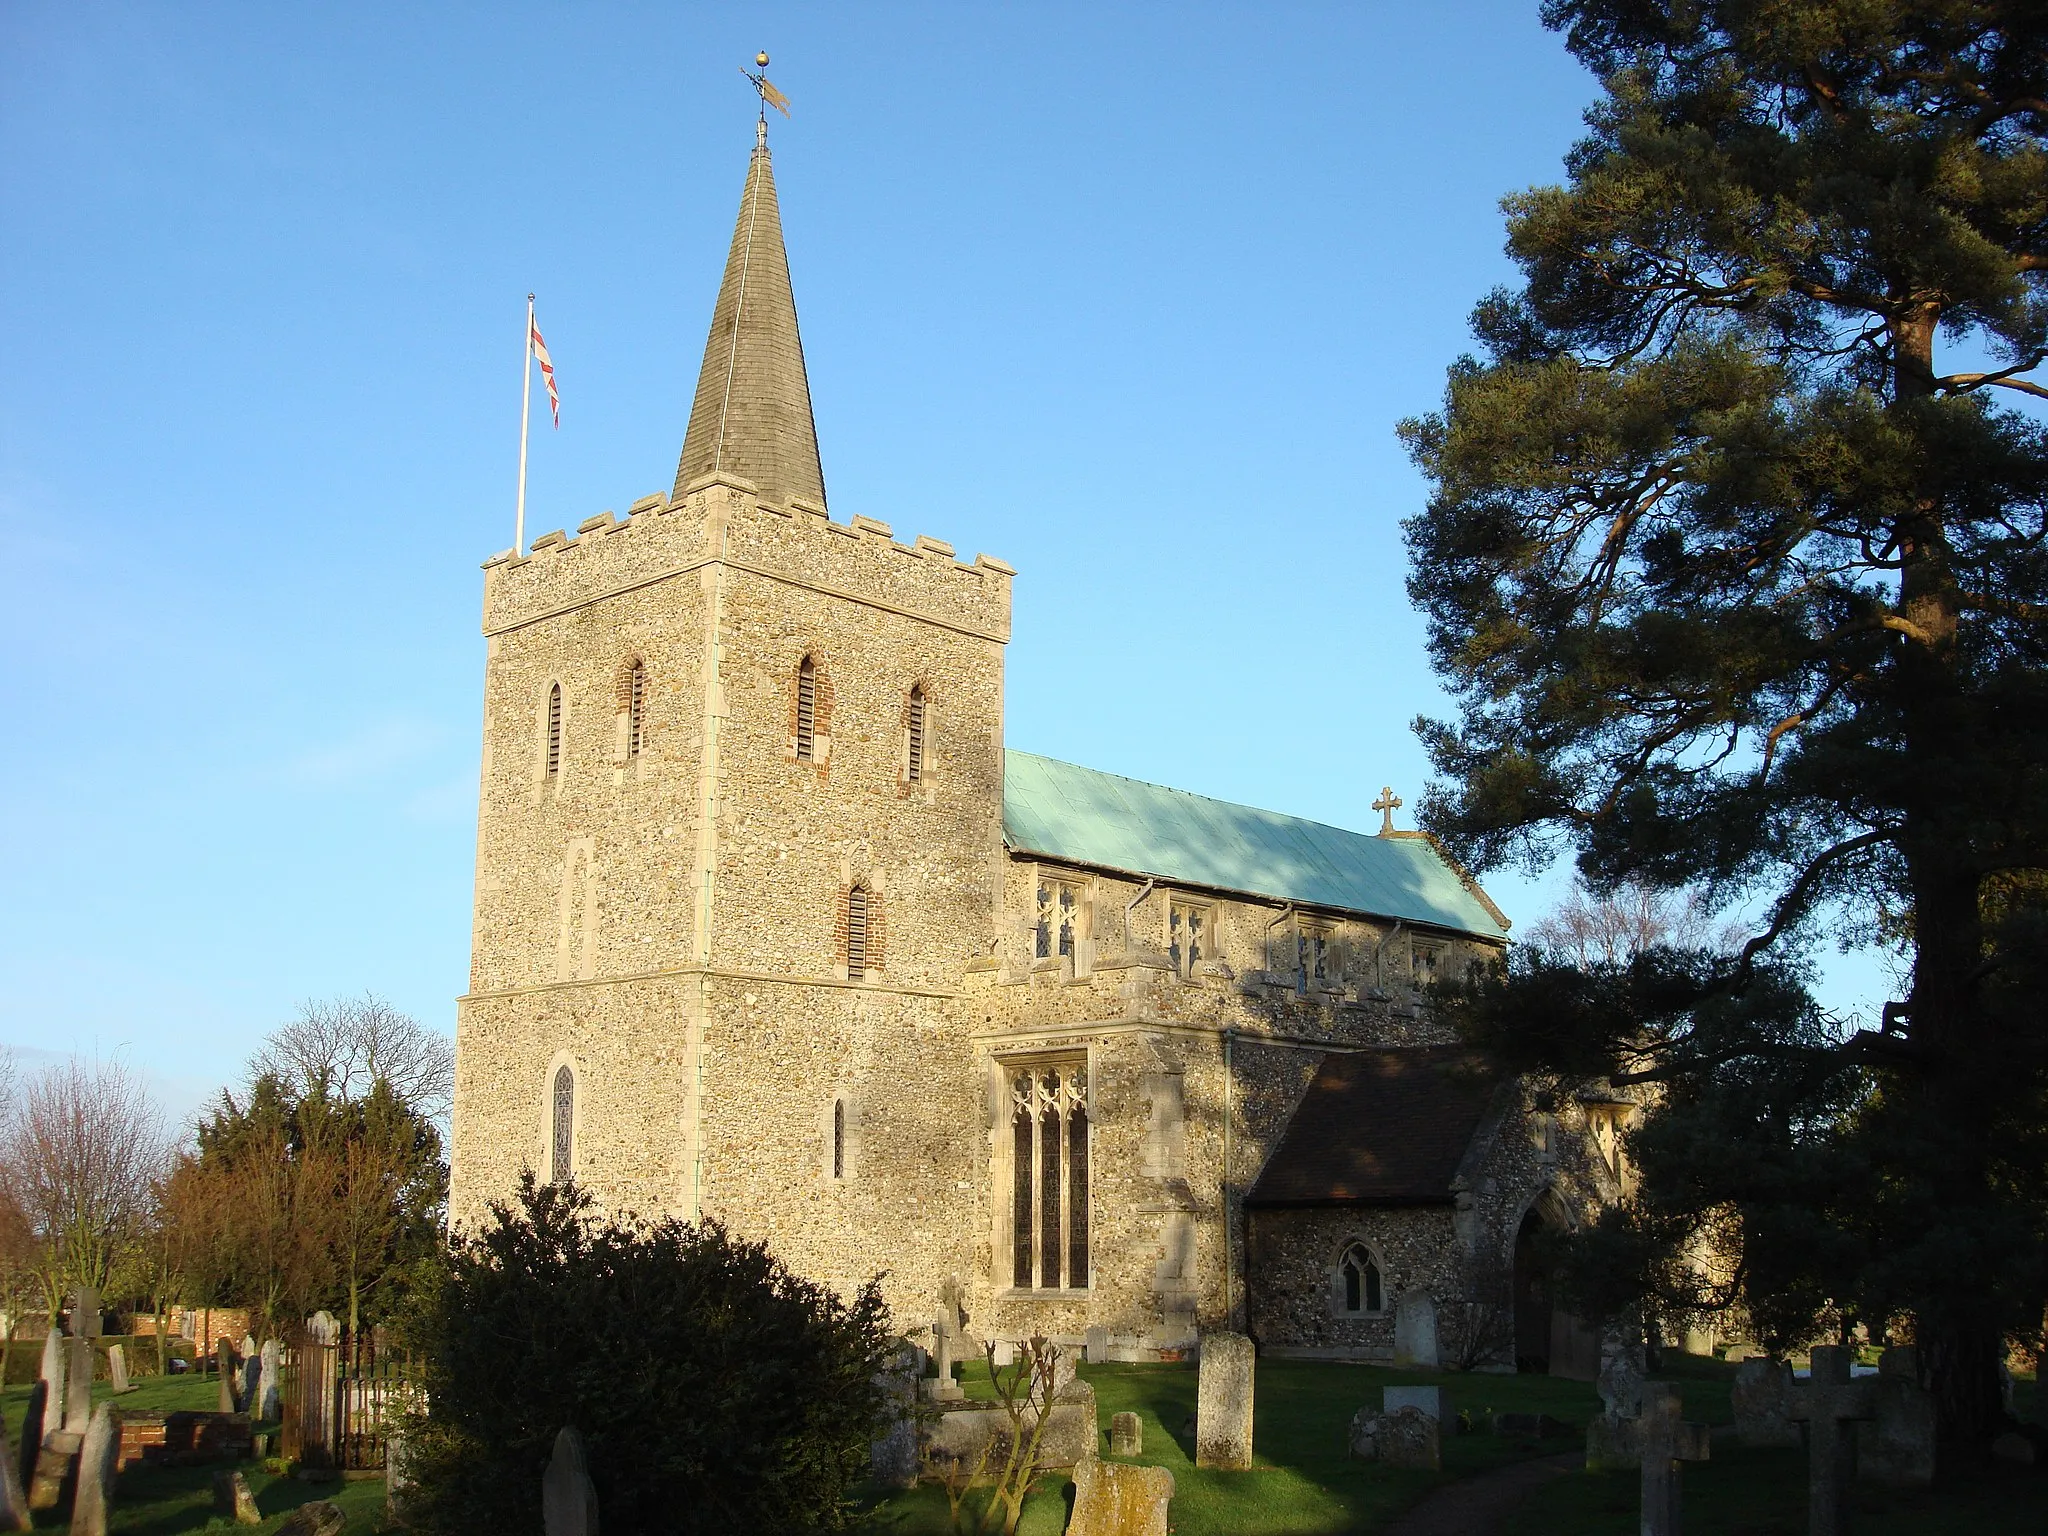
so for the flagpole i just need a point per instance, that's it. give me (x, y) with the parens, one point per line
(525, 413)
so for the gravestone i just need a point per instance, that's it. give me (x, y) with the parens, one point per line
(1223, 1402)
(1622, 1371)
(568, 1502)
(945, 1340)
(1126, 1435)
(1429, 1400)
(32, 1431)
(1762, 1400)
(52, 1371)
(248, 1382)
(1113, 1500)
(397, 1477)
(117, 1368)
(1827, 1402)
(1098, 1346)
(77, 1384)
(14, 1515)
(1896, 1448)
(1072, 1429)
(267, 1406)
(892, 1455)
(1415, 1347)
(232, 1499)
(319, 1518)
(1668, 1442)
(1065, 1366)
(1407, 1438)
(93, 1504)
(224, 1363)
(85, 1312)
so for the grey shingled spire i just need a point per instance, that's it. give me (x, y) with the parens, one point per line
(752, 414)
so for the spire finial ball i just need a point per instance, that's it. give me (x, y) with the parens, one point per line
(760, 61)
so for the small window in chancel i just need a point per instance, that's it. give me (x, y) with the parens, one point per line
(1189, 940)
(1358, 1281)
(807, 710)
(562, 1122)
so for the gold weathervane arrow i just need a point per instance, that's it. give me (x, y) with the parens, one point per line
(765, 88)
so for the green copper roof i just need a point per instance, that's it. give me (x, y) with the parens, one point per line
(1080, 816)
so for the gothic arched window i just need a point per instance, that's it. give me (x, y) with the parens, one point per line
(554, 730)
(859, 951)
(1358, 1278)
(807, 710)
(1049, 1171)
(561, 1165)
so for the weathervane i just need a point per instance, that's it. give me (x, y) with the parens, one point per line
(765, 89)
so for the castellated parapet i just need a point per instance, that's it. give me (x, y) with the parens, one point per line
(722, 517)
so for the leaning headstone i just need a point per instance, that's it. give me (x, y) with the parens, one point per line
(52, 1372)
(319, 1518)
(1223, 1402)
(1827, 1402)
(1126, 1435)
(14, 1515)
(224, 1363)
(1114, 1500)
(232, 1499)
(77, 1384)
(267, 1406)
(1415, 1346)
(1668, 1442)
(117, 1368)
(1896, 1449)
(32, 1431)
(93, 1504)
(1429, 1400)
(568, 1501)
(892, 1455)
(1762, 1400)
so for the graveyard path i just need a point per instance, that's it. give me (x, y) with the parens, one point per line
(1476, 1507)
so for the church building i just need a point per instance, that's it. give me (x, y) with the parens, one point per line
(773, 926)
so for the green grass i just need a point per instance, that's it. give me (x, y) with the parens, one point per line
(1302, 1483)
(165, 1501)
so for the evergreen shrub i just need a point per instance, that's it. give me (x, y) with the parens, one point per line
(715, 1390)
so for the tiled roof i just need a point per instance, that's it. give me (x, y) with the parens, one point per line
(1083, 816)
(1385, 1127)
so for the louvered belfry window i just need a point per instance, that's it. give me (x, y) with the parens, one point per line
(807, 710)
(636, 708)
(1049, 1177)
(856, 932)
(915, 768)
(554, 730)
(561, 1165)
(839, 1138)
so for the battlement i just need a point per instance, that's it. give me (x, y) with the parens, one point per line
(722, 517)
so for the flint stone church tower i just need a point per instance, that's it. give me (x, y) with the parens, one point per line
(772, 927)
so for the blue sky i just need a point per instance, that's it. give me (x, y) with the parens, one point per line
(1129, 296)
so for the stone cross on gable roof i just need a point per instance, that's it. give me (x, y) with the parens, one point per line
(1386, 805)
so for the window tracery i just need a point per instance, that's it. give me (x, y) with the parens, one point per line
(1360, 1285)
(561, 1161)
(1049, 1171)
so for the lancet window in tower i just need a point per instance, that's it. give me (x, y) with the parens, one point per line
(1059, 917)
(839, 1138)
(807, 710)
(636, 707)
(858, 948)
(1049, 1176)
(554, 730)
(561, 1162)
(914, 723)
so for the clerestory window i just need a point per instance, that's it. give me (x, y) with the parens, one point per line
(1313, 957)
(1189, 938)
(1049, 1176)
(1059, 917)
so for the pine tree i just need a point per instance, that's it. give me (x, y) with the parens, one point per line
(1735, 566)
